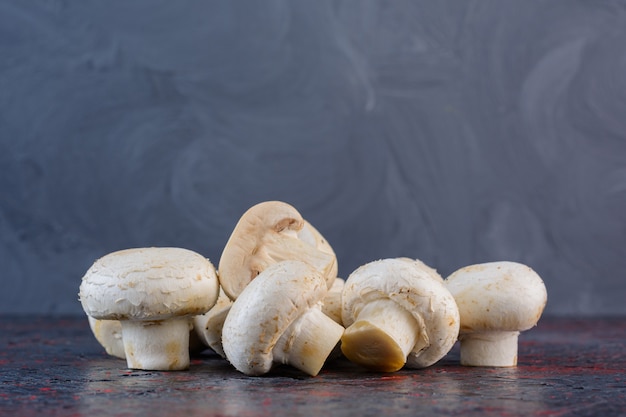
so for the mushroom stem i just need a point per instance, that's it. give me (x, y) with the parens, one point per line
(308, 341)
(157, 345)
(382, 336)
(489, 349)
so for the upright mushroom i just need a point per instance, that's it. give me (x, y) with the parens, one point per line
(277, 319)
(397, 314)
(268, 233)
(496, 300)
(153, 292)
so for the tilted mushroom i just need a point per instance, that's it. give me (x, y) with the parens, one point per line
(496, 300)
(314, 238)
(208, 326)
(331, 306)
(268, 233)
(397, 314)
(277, 319)
(109, 334)
(332, 301)
(153, 292)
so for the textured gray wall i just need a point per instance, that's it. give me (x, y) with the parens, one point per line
(452, 131)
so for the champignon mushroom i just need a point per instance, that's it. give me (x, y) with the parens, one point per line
(208, 326)
(109, 334)
(496, 300)
(332, 301)
(268, 233)
(397, 314)
(153, 292)
(331, 306)
(314, 238)
(425, 268)
(277, 319)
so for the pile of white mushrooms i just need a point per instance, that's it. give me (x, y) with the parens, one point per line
(275, 298)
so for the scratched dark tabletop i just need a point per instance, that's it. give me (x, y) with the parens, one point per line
(567, 367)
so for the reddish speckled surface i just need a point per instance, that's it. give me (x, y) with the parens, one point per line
(567, 367)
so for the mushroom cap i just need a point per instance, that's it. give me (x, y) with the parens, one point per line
(429, 270)
(415, 287)
(313, 237)
(503, 296)
(267, 233)
(149, 284)
(265, 309)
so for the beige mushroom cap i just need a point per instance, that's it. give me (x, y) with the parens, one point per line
(264, 311)
(502, 296)
(267, 233)
(413, 286)
(149, 284)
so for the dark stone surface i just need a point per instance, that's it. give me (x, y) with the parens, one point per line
(53, 366)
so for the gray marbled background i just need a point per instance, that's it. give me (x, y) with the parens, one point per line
(452, 131)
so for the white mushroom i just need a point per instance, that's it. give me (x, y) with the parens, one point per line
(268, 233)
(331, 306)
(496, 301)
(425, 268)
(109, 334)
(397, 314)
(332, 301)
(309, 234)
(208, 326)
(277, 319)
(153, 292)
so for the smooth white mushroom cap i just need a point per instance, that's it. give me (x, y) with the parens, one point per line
(265, 309)
(497, 296)
(267, 233)
(413, 287)
(149, 284)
